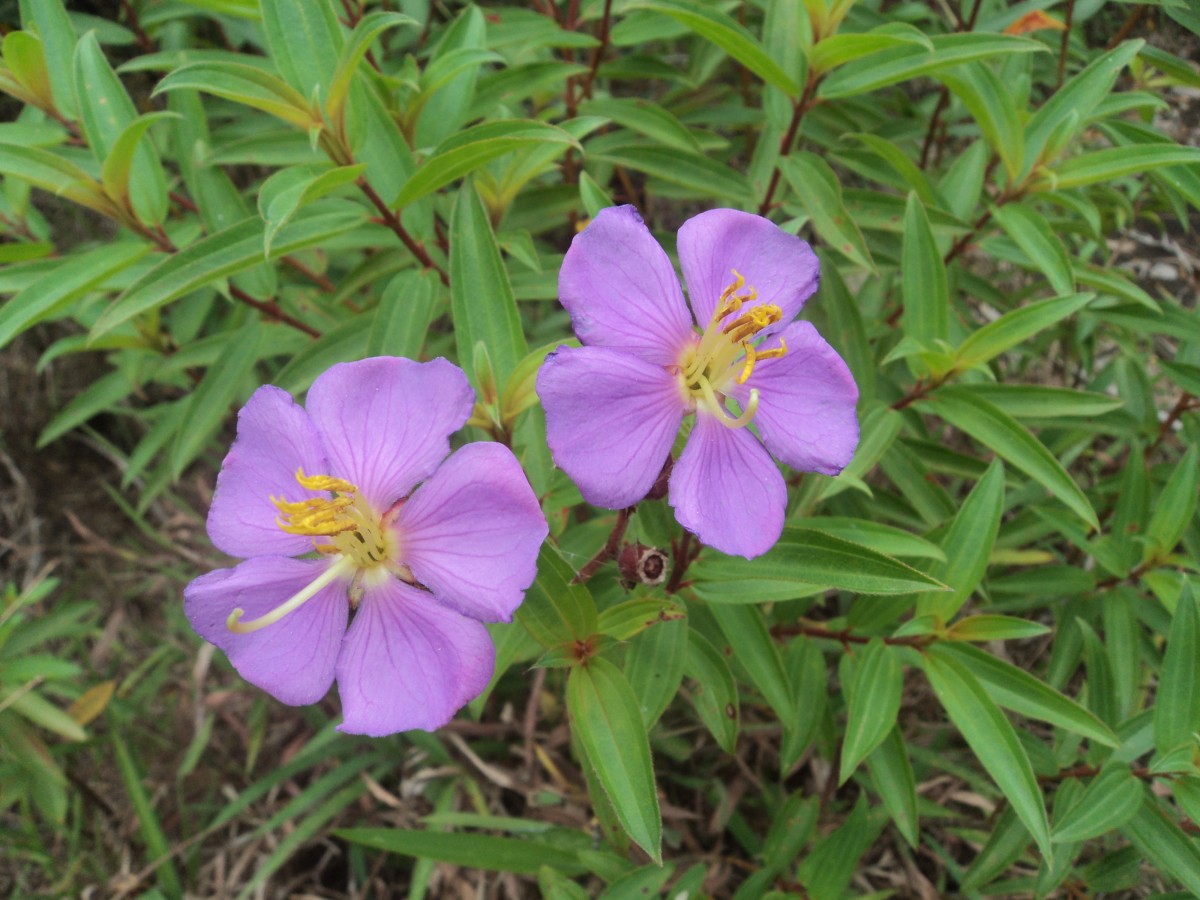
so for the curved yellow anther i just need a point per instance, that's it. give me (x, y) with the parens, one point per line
(751, 357)
(775, 352)
(324, 483)
(341, 567)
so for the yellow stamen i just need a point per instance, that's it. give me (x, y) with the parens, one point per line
(724, 353)
(324, 483)
(338, 569)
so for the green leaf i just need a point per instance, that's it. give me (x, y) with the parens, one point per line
(1175, 507)
(305, 40)
(1021, 692)
(892, 775)
(474, 148)
(342, 343)
(369, 27)
(746, 631)
(40, 711)
(606, 719)
(73, 278)
(1111, 800)
(707, 177)
(25, 57)
(1032, 233)
(992, 740)
(50, 172)
(827, 870)
(481, 298)
(720, 29)
(629, 619)
(994, 109)
(923, 285)
(405, 311)
(994, 628)
(289, 190)
(208, 405)
(715, 696)
(475, 851)
(1081, 94)
(811, 557)
(244, 84)
(818, 190)
(556, 610)
(807, 556)
(967, 546)
(1015, 328)
(1029, 401)
(1177, 705)
(654, 664)
(106, 112)
(883, 538)
(1106, 165)
(58, 38)
(839, 49)
(645, 117)
(872, 705)
(1164, 844)
(1008, 438)
(219, 255)
(101, 396)
(902, 63)
(119, 164)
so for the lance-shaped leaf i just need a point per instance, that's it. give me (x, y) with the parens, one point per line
(1012, 441)
(556, 610)
(967, 546)
(1177, 706)
(54, 27)
(816, 186)
(219, 255)
(56, 290)
(872, 705)
(289, 190)
(50, 172)
(369, 27)
(25, 57)
(1016, 689)
(607, 722)
(475, 851)
(120, 162)
(923, 284)
(245, 84)
(902, 63)
(839, 49)
(645, 117)
(705, 176)
(1111, 800)
(1032, 233)
(481, 298)
(994, 110)
(746, 632)
(1106, 165)
(992, 739)
(720, 29)
(1016, 327)
(892, 775)
(107, 112)
(715, 696)
(1176, 506)
(1164, 844)
(473, 148)
(305, 40)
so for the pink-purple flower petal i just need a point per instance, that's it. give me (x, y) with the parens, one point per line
(408, 662)
(806, 402)
(471, 533)
(726, 490)
(621, 290)
(782, 268)
(274, 438)
(385, 422)
(611, 419)
(293, 659)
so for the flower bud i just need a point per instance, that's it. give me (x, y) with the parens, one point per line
(639, 564)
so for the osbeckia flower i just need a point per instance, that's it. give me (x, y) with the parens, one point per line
(614, 406)
(320, 503)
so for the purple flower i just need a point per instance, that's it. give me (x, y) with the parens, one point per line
(614, 406)
(421, 569)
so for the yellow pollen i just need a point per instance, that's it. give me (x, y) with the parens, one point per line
(725, 355)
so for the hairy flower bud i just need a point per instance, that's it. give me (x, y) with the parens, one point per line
(639, 564)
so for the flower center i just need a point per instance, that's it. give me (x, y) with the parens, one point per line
(356, 536)
(724, 352)
(353, 528)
